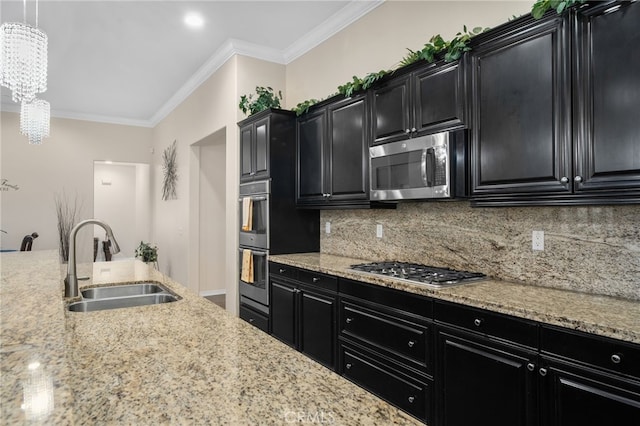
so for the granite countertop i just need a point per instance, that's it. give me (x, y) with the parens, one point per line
(601, 315)
(186, 362)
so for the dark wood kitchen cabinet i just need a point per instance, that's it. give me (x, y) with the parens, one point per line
(587, 380)
(261, 133)
(386, 345)
(555, 109)
(486, 366)
(607, 99)
(422, 99)
(521, 92)
(333, 155)
(303, 312)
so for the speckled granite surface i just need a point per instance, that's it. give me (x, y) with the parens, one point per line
(186, 362)
(602, 315)
(592, 249)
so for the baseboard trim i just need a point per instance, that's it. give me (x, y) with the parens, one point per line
(206, 293)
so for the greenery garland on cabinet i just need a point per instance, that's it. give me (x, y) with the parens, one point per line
(451, 50)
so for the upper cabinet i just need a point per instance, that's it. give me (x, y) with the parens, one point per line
(607, 99)
(333, 155)
(555, 106)
(259, 134)
(429, 99)
(520, 100)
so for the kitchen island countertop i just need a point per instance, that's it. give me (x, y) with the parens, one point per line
(602, 315)
(186, 362)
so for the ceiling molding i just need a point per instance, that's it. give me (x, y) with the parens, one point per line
(334, 24)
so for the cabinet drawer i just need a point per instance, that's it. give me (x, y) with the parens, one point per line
(610, 354)
(389, 297)
(318, 280)
(389, 384)
(280, 270)
(391, 333)
(488, 323)
(254, 318)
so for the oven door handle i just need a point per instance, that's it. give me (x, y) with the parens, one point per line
(254, 252)
(259, 198)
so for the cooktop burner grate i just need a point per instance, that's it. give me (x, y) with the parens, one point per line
(419, 273)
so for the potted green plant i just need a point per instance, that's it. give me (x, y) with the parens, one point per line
(147, 253)
(266, 99)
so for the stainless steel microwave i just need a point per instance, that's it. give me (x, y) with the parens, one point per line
(419, 168)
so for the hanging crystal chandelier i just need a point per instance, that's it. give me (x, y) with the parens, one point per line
(23, 54)
(34, 120)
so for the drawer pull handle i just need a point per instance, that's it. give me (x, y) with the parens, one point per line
(348, 320)
(531, 367)
(411, 343)
(477, 322)
(411, 399)
(282, 271)
(616, 358)
(315, 279)
(348, 366)
(251, 320)
(543, 372)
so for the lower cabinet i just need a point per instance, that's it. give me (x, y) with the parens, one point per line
(254, 318)
(387, 348)
(303, 315)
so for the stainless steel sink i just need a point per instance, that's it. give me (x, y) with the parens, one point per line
(91, 305)
(122, 290)
(122, 296)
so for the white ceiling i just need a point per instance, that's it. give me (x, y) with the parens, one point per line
(132, 62)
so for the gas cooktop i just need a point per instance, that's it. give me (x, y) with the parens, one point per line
(420, 274)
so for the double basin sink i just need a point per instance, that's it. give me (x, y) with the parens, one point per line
(122, 296)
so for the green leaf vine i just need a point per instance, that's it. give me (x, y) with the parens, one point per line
(303, 107)
(453, 49)
(266, 99)
(541, 6)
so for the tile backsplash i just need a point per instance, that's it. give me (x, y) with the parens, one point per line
(594, 249)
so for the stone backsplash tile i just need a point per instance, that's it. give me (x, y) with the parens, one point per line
(593, 249)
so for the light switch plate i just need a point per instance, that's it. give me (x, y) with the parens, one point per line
(327, 227)
(379, 230)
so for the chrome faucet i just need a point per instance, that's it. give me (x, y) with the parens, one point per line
(71, 282)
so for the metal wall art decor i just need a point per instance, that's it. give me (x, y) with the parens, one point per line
(5, 185)
(170, 169)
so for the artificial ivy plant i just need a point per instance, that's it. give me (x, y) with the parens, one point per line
(146, 252)
(266, 98)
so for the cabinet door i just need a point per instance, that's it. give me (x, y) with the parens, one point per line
(607, 99)
(318, 327)
(391, 118)
(283, 312)
(439, 98)
(261, 151)
(521, 114)
(573, 396)
(311, 151)
(348, 165)
(246, 136)
(483, 383)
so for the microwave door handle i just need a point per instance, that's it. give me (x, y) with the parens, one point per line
(423, 167)
(260, 198)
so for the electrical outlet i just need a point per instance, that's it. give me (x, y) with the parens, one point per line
(537, 238)
(379, 230)
(327, 227)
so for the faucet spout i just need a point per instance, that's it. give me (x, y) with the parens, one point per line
(71, 281)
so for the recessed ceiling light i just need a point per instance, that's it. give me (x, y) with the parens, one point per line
(193, 20)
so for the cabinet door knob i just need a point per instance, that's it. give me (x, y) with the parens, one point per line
(251, 320)
(578, 179)
(348, 366)
(543, 372)
(413, 130)
(407, 130)
(477, 322)
(411, 343)
(616, 358)
(531, 367)
(315, 279)
(411, 399)
(348, 320)
(282, 271)
(564, 179)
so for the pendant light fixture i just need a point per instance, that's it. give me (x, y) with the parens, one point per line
(34, 120)
(24, 58)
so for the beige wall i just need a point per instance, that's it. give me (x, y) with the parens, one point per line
(64, 162)
(380, 40)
